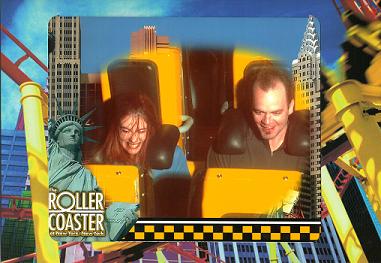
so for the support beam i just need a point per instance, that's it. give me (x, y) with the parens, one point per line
(289, 252)
(363, 132)
(13, 71)
(31, 100)
(340, 218)
(272, 248)
(24, 48)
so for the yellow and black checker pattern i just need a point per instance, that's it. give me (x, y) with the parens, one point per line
(225, 231)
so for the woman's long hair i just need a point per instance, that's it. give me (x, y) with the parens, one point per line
(112, 151)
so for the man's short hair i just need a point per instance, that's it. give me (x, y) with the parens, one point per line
(263, 77)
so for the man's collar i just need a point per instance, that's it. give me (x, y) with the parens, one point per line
(256, 133)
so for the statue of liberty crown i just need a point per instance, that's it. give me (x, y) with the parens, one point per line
(72, 118)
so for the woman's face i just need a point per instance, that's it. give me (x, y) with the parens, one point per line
(132, 133)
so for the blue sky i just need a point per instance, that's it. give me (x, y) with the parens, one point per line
(28, 20)
(103, 39)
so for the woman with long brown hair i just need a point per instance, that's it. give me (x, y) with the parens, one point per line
(132, 121)
(131, 124)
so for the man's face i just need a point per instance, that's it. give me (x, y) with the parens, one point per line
(132, 133)
(69, 137)
(270, 111)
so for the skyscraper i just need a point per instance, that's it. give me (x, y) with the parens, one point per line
(306, 73)
(17, 235)
(14, 163)
(146, 40)
(91, 98)
(90, 93)
(64, 64)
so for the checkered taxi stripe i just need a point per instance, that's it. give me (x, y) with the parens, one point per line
(225, 231)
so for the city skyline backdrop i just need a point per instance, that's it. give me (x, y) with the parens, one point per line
(28, 21)
(279, 38)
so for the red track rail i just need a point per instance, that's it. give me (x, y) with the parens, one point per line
(367, 9)
(13, 211)
(192, 256)
(13, 71)
(28, 53)
(33, 255)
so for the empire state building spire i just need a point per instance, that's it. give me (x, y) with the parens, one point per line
(310, 42)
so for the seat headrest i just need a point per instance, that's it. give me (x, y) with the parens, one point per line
(298, 134)
(161, 147)
(230, 137)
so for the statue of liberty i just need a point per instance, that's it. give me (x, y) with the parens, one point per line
(67, 173)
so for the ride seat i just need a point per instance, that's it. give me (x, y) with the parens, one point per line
(231, 192)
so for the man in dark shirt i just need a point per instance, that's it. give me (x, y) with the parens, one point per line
(270, 104)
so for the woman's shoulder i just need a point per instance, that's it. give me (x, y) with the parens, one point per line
(179, 154)
(179, 151)
(97, 158)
